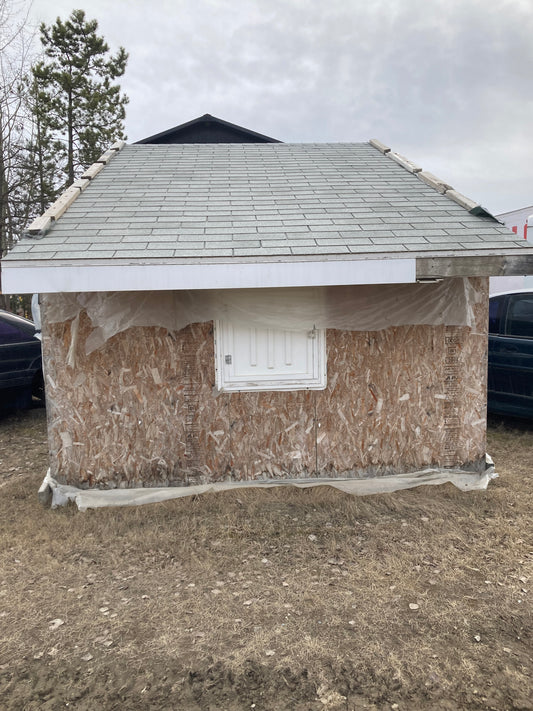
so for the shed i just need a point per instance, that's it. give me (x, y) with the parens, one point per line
(240, 312)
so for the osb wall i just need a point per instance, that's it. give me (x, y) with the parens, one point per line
(143, 410)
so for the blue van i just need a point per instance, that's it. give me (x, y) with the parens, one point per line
(510, 374)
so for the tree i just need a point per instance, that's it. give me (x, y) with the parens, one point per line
(15, 127)
(55, 118)
(44, 157)
(77, 105)
(15, 121)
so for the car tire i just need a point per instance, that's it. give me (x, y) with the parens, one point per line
(37, 388)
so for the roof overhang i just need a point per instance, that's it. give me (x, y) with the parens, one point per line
(476, 265)
(21, 277)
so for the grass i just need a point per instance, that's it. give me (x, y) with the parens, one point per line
(296, 599)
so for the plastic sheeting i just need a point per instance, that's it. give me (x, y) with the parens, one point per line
(349, 308)
(85, 499)
(36, 315)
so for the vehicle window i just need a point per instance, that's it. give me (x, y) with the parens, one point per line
(520, 316)
(495, 309)
(11, 334)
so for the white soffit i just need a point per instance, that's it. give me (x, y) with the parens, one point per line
(48, 279)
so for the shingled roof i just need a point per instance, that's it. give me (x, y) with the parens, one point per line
(200, 204)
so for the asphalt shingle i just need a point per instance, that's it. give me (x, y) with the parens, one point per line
(184, 201)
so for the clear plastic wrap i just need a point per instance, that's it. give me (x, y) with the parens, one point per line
(61, 494)
(349, 308)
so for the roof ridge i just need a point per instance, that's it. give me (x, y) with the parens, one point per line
(40, 226)
(474, 208)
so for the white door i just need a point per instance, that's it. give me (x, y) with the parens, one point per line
(269, 359)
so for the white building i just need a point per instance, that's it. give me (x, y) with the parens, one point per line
(517, 221)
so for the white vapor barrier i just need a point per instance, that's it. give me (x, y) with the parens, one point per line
(85, 499)
(349, 308)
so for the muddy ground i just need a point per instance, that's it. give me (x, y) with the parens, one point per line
(280, 599)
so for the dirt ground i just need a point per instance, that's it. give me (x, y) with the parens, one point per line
(268, 600)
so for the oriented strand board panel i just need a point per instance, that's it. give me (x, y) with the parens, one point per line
(138, 412)
(143, 410)
(273, 434)
(405, 398)
(380, 413)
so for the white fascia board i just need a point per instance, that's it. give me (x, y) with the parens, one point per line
(24, 278)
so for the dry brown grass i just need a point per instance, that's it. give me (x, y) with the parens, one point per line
(288, 599)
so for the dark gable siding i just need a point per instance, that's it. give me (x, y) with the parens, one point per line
(208, 129)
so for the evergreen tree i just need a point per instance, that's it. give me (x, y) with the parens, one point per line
(45, 156)
(78, 108)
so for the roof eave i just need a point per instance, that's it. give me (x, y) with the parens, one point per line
(485, 265)
(52, 276)
(48, 277)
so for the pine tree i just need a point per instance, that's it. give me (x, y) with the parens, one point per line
(76, 102)
(45, 155)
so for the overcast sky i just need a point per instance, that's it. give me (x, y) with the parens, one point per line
(447, 83)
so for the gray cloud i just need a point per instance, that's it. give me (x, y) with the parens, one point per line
(447, 83)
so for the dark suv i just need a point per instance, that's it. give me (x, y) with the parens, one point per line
(510, 376)
(21, 367)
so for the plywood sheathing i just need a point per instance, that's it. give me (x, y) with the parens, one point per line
(130, 413)
(379, 412)
(273, 434)
(143, 410)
